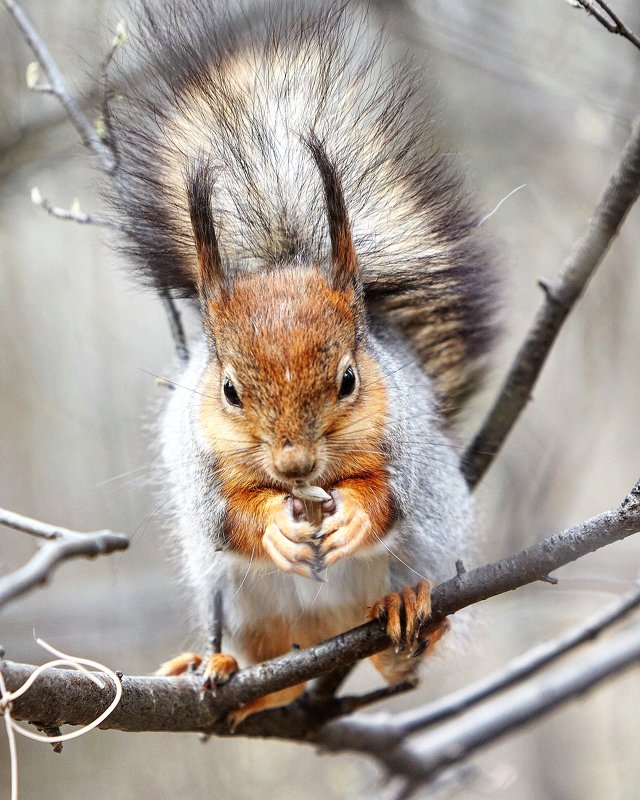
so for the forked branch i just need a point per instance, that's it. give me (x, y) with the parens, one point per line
(60, 545)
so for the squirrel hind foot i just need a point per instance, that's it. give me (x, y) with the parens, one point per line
(272, 700)
(185, 662)
(403, 615)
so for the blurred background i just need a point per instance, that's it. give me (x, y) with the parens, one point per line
(527, 93)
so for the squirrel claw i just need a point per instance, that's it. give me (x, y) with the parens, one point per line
(403, 614)
(219, 669)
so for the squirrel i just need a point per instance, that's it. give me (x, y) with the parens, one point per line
(276, 164)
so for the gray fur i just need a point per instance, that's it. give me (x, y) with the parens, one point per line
(432, 531)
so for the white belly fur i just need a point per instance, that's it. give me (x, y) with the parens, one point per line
(262, 594)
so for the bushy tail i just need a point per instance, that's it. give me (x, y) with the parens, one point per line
(245, 90)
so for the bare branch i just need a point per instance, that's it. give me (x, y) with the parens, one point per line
(559, 298)
(302, 665)
(519, 668)
(59, 88)
(74, 213)
(105, 150)
(421, 760)
(175, 326)
(61, 544)
(607, 18)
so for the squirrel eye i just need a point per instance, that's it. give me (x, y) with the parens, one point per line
(348, 383)
(230, 393)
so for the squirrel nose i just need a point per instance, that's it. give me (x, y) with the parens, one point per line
(294, 460)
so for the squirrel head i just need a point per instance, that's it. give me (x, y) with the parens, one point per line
(292, 384)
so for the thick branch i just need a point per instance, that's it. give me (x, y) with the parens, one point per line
(175, 701)
(559, 299)
(61, 544)
(59, 88)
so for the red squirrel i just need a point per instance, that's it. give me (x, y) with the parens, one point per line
(275, 164)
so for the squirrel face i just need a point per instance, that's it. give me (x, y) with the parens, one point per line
(290, 383)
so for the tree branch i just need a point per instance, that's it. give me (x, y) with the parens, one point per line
(61, 544)
(104, 150)
(609, 19)
(423, 759)
(74, 213)
(559, 298)
(183, 711)
(58, 87)
(519, 668)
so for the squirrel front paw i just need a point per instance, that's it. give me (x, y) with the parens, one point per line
(345, 530)
(288, 537)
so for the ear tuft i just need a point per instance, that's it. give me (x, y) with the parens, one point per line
(345, 274)
(200, 186)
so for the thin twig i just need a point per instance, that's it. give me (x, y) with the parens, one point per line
(609, 19)
(175, 325)
(106, 91)
(74, 213)
(61, 544)
(59, 88)
(559, 298)
(105, 150)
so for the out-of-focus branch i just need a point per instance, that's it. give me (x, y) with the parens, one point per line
(61, 544)
(559, 298)
(74, 213)
(605, 15)
(103, 149)
(58, 87)
(519, 668)
(422, 759)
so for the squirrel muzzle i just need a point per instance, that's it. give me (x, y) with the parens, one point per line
(294, 461)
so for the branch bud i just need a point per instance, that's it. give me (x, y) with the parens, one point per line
(33, 74)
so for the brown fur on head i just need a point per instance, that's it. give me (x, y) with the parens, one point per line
(292, 388)
(285, 341)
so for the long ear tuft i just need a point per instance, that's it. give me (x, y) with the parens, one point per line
(345, 271)
(199, 193)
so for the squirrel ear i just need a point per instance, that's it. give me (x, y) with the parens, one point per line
(199, 191)
(345, 272)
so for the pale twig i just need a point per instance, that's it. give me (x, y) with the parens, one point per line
(74, 213)
(105, 150)
(61, 544)
(58, 87)
(607, 18)
(559, 298)
(118, 40)
(175, 702)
